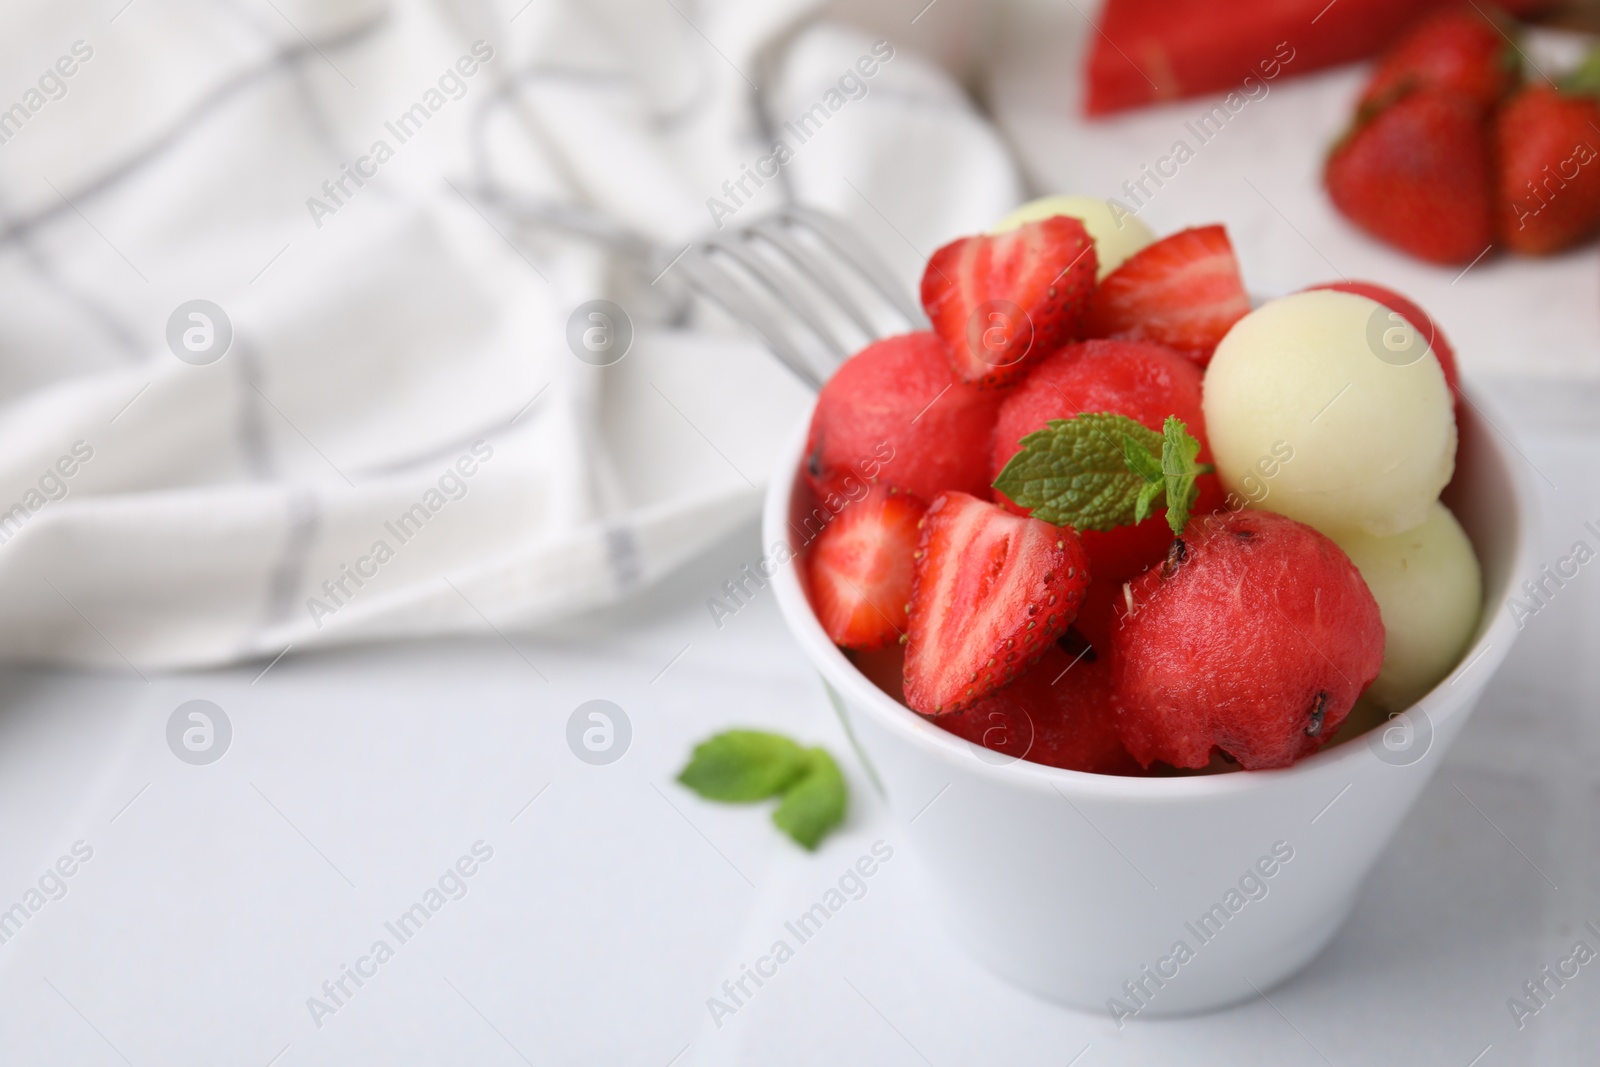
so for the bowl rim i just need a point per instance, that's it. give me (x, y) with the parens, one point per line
(1485, 655)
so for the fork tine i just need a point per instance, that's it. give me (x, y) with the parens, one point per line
(860, 256)
(814, 269)
(730, 293)
(799, 304)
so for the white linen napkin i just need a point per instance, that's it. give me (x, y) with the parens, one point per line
(399, 439)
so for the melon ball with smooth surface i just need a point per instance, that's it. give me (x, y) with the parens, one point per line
(1117, 235)
(1357, 397)
(1429, 590)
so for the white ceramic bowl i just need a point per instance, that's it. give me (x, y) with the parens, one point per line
(1082, 887)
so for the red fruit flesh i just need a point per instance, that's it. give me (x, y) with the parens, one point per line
(1549, 176)
(1418, 319)
(860, 569)
(1100, 614)
(1458, 50)
(1145, 382)
(1151, 50)
(990, 592)
(1184, 291)
(893, 413)
(1060, 713)
(1417, 175)
(1001, 302)
(1256, 641)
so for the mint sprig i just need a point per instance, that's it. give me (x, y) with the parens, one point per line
(743, 766)
(1098, 471)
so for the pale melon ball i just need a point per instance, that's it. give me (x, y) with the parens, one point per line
(1117, 234)
(1356, 400)
(1430, 592)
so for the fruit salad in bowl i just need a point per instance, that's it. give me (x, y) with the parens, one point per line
(1121, 585)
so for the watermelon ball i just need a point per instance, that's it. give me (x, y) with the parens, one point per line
(1060, 713)
(894, 413)
(1144, 381)
(1429, 590)
(1357, 396)
(1255, 637)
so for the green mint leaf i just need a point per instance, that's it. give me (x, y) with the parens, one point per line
(745, 765)
(1141, 460)
(1145, 506)
(738, 766)
(1147, 466)
(1077, 472)
(1179, 470)
(815, 804)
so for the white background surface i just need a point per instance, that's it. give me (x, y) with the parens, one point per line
(219, 898)
(222, 897)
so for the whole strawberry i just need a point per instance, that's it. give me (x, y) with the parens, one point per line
(1461, 50)
(1417, 175)
(1255, 636)
(1546, 143)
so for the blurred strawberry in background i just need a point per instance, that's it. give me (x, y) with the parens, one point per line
(1549, 183)
(1467, 51)
(1450, 153)
(1417, 175)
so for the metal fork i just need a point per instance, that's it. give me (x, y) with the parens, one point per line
(798, 279)
(787, 278)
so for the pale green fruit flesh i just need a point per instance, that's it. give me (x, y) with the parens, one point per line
(1429, 590)
(1117, 234)
(1372, 440)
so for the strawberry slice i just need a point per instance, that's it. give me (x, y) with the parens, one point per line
(1000, 302)
(861, 568)
(1184, 292)
(991, 592)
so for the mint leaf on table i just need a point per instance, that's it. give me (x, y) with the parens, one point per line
(744, 765)
(815, 804)
(740, 766)
(1098, 471)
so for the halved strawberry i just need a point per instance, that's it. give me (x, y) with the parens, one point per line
(991, 591)
(861, 568)
(1002, 301)
(1184, 291)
